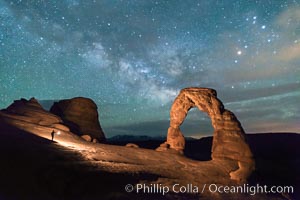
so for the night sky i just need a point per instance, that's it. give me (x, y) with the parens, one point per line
(132, 58)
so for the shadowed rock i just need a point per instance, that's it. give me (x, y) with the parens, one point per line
(81, 116)
(229, 138)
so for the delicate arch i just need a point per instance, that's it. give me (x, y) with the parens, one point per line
(228, 139)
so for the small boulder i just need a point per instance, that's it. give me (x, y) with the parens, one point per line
(87, 138)
(132, 145)
(163, 147)
(95, 140)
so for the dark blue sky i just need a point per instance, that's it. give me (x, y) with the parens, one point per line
(132, 58)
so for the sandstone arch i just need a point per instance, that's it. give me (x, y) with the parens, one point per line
(229, 137)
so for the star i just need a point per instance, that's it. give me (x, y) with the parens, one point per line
(131, 54)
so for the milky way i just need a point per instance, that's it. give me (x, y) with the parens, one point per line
(132, 58)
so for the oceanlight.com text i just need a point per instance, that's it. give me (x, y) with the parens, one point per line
(211, 188)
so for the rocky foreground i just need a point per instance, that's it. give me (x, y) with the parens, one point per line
(33, 142)
(76, 166)
(33, 167)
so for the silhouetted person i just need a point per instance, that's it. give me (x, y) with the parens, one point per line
(52, 134)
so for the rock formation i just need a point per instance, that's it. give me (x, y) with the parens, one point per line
(229, 142)
(25, 113)
(31, 111)
(80, 115)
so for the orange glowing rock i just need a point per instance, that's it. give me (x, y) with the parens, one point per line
(229, 142)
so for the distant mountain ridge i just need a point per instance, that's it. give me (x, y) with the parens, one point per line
(281, 145)
(128, 137)
(132, 138)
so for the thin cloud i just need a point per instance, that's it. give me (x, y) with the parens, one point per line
(289, 53)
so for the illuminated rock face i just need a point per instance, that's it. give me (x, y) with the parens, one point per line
(80, 115)
(229, 138)
(31, 111)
